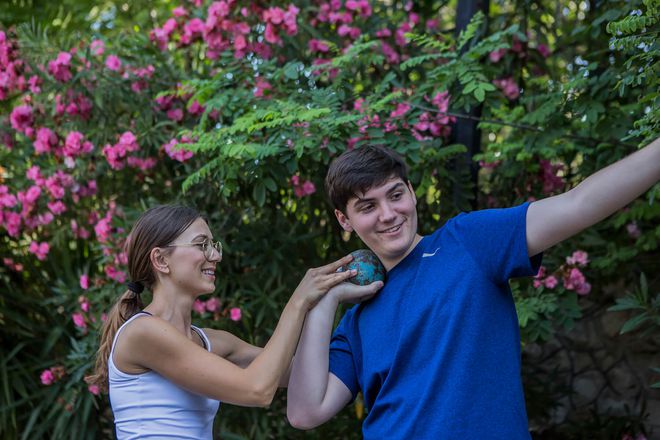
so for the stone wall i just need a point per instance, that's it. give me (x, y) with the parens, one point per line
(593, 370)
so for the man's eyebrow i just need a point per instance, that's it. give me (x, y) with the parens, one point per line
(395, 187)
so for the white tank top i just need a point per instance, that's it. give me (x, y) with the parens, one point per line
(148, 406)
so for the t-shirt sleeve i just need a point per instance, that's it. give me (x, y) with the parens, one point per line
(342, 363)
(497, 240)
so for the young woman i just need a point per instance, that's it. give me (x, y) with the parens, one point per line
(166, 376)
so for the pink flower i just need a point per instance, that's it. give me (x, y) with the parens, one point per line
(583, 289)
(97, 47)
(551, 181)
(262, 88)
(57, 207)
(318, 46)
(94, 389)
(178, 154)
(633, 230)
(142, 163)
(384, 33)
(196, 108)
(175, 114)
(401, 109)
(39, 249)
(579, 258)
(575, 281)
(235, 314)
(496, 55)
(46, 140)
(47, 377)
(84, 281)
(302, 190)
(179, 11)
(79, 320)
(84, 303)
(212, 304)
(508, 87)
(103, 229)
(60, 68)
(550, 282)
(21, 119)
(113, 62)
(75, 145)
(543, 50)
(199, 306)
(114, 274)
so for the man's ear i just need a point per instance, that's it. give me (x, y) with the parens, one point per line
(343, 221)
(412, 192)
(159, 261)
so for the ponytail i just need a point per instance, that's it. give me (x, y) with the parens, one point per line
(128, 305)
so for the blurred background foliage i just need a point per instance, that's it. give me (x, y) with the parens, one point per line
(523, 102)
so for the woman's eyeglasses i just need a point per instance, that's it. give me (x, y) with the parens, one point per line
(206, 246)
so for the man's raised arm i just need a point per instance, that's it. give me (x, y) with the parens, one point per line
(557, 218)
(314, 394)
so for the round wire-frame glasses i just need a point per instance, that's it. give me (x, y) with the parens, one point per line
(206, 246)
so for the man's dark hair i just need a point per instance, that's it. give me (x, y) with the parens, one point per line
(361, 169)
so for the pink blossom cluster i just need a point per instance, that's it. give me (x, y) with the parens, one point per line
(31, 215)
(542, 279)
(277, 19)
(51, 375)
(179, 154)
(75, 145)
(548, 175)
(173, 104)
(139, 75)
(508, 86)
(21, 119)
(226, 27)
(302, 189)
(116, 154)
(518, 48)
(46, 141)
(82, 317)
(213, 305)
(11, 69)
(40, 250)
(75, 104)
(10, 264)
(60, 67)
(262, 88)
(570, 273)
(435, 124)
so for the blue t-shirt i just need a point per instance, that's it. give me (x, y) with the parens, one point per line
(437, 352)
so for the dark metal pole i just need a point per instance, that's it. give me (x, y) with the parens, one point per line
(465, 130)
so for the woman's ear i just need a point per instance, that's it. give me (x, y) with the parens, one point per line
(159, 261)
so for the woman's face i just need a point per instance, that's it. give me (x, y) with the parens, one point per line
(190, 270)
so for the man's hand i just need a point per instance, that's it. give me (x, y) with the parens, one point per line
(351, 293)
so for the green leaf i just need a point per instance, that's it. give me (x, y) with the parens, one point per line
(635, 322)
(479, 94)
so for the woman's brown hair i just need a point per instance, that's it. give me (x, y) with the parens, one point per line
(157, 227)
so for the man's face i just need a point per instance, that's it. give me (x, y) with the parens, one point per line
(385, 218)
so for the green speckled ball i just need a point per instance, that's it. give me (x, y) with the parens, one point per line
(368, 266)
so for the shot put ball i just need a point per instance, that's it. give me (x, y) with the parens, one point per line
(368, 266)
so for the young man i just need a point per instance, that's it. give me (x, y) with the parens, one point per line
(436, 353)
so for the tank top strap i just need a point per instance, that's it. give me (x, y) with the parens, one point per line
(137, 315)
(202, 335)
